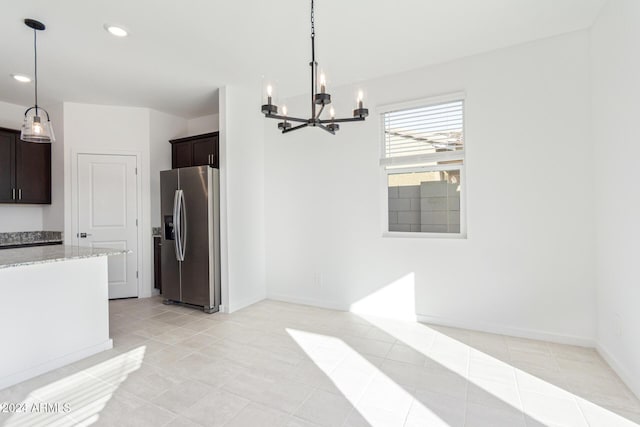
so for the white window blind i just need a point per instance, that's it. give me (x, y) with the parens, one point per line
(424, 132)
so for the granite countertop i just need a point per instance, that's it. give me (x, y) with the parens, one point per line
(45, 254)
(29, 238)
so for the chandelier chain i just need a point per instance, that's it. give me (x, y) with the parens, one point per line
(313, 25)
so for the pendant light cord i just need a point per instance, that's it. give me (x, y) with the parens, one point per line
(35, 61)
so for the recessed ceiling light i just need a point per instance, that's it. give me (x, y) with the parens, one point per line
(115, 30)
(21, 78)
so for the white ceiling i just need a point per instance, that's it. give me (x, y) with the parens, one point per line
(180, 51)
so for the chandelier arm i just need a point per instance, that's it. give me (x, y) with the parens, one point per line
(295, 128)
(350, 119)
(286, 118)
(323, 127)
(317, 116)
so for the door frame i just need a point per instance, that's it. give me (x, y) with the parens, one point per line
(75, 208)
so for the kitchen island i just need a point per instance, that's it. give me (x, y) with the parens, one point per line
(54, 308)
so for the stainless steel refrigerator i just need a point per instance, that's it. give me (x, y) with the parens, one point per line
(190, 254)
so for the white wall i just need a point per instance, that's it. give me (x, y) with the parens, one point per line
(615, 68)
(242, 197)
(105, 129)
(163, 127)
(11, 115)
(527, 267)
(21, 218)
(18, 217)
(204, 124)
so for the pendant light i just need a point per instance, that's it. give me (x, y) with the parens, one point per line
(34, 129)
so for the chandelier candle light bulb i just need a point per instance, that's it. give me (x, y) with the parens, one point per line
(333, 126)
(319, 100)
(360, 111)
(284, 124)
(270, 109)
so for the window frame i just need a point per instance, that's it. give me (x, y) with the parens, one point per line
(398, 167)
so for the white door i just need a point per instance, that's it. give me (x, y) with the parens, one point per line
(107, 215)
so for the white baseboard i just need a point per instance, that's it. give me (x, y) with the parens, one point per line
(471, 325)
(507, 330)
(54, 364)
(624, 374)
(308, 301)
(245, 303)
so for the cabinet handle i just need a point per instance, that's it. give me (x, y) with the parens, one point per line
(20, 194)
(13, 194)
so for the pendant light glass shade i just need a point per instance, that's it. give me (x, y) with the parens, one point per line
(37, 126)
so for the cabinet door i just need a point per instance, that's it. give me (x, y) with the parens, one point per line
(216, 150)
(7, 167)
(205, 151)
(33, 172)
(181, 155)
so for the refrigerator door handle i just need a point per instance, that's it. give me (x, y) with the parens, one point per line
(183, 221)
(176, 224)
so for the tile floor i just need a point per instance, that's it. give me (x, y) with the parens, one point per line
(278, 364)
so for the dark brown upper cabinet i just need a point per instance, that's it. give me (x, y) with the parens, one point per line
(25, 170)
(196, 150)
(7, 166)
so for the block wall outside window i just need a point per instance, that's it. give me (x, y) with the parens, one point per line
(404, 208)
(430, 206)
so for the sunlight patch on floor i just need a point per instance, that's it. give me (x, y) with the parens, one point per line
(481, 370)
(378, 399)
(84, 393)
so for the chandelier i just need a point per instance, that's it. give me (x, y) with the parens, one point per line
(33, 128)
(319, 100)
